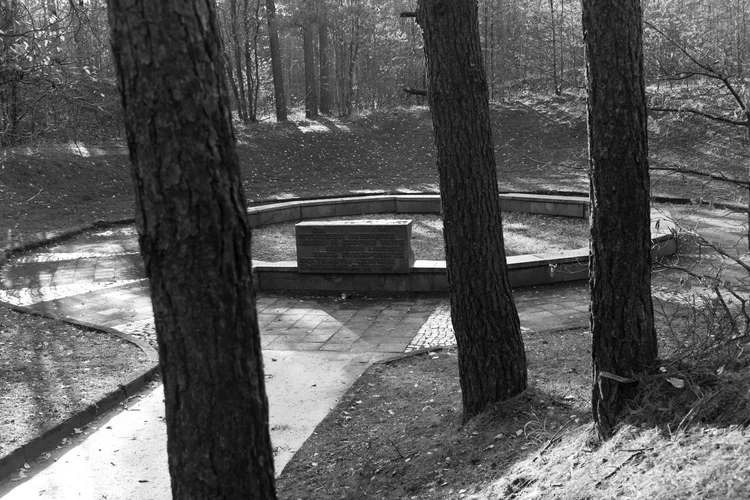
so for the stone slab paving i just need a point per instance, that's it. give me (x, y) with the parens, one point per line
(311, 343)
(551, 307)
(99, 278)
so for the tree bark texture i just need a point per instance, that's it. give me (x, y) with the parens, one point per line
(622, 323)
(195, 242)
(492, 362)
(311, 84)
(276, 67)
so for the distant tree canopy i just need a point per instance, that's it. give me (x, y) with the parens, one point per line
(57, 78)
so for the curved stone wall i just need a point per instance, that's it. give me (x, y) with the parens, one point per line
(429, 275)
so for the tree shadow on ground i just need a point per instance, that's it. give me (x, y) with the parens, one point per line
(398, 433)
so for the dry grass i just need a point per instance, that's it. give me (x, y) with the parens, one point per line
(398, 435)
(701, 463)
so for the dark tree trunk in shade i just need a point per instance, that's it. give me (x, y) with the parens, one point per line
(276, 67)
(326, 70)
(195, 242)
(492, 362)
(311, 84)
(622, 323)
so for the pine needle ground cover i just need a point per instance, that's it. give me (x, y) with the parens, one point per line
(398, 435)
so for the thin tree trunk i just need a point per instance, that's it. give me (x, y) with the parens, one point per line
(232, 82)
(622, 320)
(491, 65)
(311, 85)
(326, 75)
(276, 66)
(554, 47)
(249, 71)
(237, 51)
(12, 72)
(256, 60)
(195, 242)
(353, 52)
(562, 44)
(339, 52)
(492, 362)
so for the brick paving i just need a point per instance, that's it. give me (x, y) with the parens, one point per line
(99, 278)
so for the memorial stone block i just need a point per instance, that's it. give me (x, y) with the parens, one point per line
(354, 246)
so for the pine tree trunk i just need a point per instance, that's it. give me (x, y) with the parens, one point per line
(326, 73)
(251, 55)
(276, 67)
(311, 85)
(232, 83)
(622, 322)
(555, 82)
(236, 47)
(351, 59)
(492, 363)
(195, 242)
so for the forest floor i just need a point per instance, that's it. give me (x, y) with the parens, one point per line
(398, 433)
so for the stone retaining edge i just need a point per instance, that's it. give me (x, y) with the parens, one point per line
(27, 452)
(430, 276)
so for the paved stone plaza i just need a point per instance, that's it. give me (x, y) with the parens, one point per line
(315, 347)
(99, 278)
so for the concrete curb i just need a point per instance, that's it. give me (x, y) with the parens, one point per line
(27, 452)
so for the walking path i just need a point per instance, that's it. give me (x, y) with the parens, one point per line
(315, 347)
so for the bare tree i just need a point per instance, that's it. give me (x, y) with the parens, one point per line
(738, 114)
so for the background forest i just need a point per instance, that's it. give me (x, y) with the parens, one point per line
(344, 57)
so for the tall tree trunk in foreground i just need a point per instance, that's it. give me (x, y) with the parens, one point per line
(492, 362)
(195, 242)
(622, 321)
(276, 69)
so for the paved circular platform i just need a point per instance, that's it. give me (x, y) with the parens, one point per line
(99, 278)
(315, 347)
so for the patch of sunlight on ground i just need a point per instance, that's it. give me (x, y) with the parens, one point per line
(88, 151)
(310, 126)
(328, 124)
(415, 191)
(78, 149)
(285, 196)
(367, 191)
